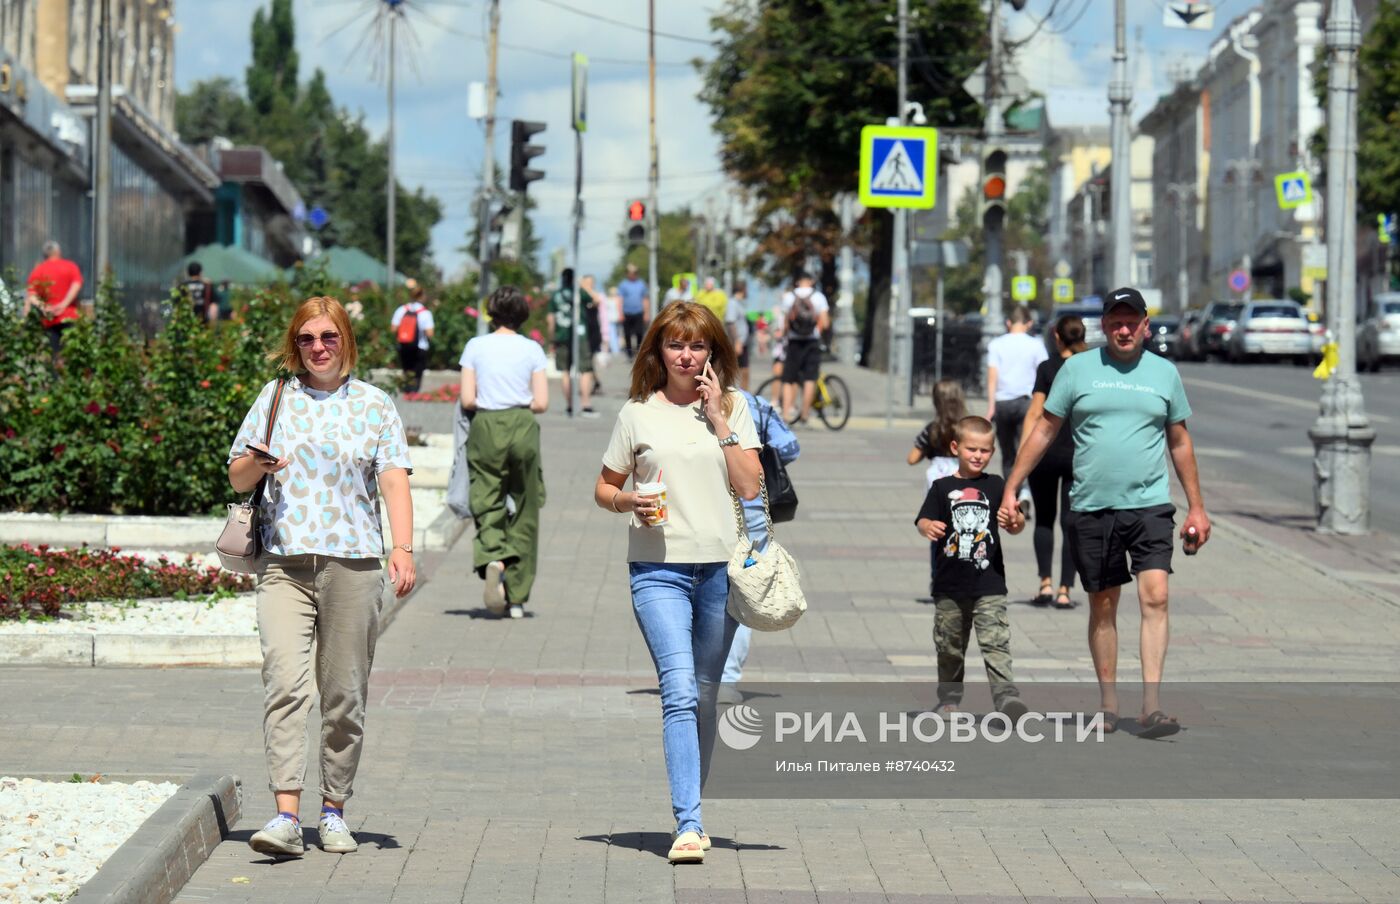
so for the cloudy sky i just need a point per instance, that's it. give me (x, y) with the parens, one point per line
(441, 149)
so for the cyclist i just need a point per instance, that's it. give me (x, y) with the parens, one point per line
(805, 316)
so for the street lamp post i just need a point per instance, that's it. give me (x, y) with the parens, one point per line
(1120, 97)
(1342, 435)
(1183, 195)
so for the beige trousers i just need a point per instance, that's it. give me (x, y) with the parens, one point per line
(334, 602)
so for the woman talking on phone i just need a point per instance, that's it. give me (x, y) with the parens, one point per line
(686, 437)
(337, 445)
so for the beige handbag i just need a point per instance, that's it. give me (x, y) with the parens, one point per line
(765, 589)
(240, 543)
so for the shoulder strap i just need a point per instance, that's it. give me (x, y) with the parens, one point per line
(267, 436)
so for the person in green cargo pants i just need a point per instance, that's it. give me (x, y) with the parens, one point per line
(505, 386)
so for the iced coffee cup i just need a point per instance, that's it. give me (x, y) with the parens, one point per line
(655, 488)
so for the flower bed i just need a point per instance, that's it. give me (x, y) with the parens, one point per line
(39, 581)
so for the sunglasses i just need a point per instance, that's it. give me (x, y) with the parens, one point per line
(329, 340)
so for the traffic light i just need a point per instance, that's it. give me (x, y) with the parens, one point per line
(993, 188)
(636, 223)
(521, 152)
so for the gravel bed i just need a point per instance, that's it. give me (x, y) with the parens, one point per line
(236, 615)
(55, 835)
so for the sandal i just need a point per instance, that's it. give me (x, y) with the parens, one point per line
(1067, 604)
(704, 842)
(1045, 597)
(687, 848)
(1158, 725)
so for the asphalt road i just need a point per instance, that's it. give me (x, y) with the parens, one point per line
(1250, 424)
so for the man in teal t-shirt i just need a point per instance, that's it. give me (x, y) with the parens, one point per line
(1127, 412)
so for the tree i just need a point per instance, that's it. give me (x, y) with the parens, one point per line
(789, 100)
(1378, 114)
(272, 76)
(213, 108)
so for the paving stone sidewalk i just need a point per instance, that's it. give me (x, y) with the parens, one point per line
(512, 761)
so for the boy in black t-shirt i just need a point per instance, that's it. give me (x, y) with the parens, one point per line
(960, 517)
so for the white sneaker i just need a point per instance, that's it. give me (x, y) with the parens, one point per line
(517, 610)
(335, 835)
(279, 838)
(493, 595)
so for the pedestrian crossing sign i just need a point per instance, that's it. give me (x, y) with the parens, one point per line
(898, 166)
(1062, 290)
(1023, 288)
(1293, 189)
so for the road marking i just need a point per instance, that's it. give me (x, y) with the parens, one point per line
(1307, 451)
(1271, 396)
(1219, 453)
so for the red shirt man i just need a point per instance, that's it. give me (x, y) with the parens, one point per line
(54, 283)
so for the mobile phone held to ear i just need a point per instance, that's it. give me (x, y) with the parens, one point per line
(260, 452)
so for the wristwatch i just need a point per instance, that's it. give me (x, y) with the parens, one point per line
(730, 440)
(406, 547)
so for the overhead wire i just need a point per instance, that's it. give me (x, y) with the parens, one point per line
(628, 25)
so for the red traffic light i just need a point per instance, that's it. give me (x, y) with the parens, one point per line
(636, 211)
(994, 188)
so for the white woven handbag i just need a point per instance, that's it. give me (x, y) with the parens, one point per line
(765, 590)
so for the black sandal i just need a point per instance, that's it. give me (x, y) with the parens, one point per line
(1067, 604)
(1158, 725)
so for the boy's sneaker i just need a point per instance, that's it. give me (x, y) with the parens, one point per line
(1013, 709)
(335, 835)
(279, 838)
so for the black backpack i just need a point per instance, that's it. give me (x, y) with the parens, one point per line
(802, 320)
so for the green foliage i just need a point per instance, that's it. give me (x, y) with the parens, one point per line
(1025, 229)
(1378, 115)
(39, 581)
(325, 151)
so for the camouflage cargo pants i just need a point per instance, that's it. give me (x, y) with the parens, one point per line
(954, 620)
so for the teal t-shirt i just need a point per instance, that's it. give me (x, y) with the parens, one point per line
(1118, 415)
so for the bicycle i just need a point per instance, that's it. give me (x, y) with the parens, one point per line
(832, 402)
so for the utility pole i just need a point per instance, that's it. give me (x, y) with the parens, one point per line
(102, 153)
(900, 357)
(994, 321)
(1342, 435)
(1244, 172)
(393, 178)
(579, 83)
(1183, 196)
(654, 175)
(488, 172)
(1120, 96)
(845, 326)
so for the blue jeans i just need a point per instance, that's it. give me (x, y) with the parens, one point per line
(680, 609)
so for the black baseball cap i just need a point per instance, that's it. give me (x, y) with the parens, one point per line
(1128, 296)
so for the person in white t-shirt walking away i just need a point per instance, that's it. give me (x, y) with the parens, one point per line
(1012, 359)
(413, 329)
(804, 316)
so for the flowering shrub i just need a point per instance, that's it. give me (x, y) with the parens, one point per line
(37, 580)
(449, 392)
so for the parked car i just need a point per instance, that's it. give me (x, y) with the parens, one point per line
(1272, 328)
(1217, 328)
(1378, 338)
(1188, 335)
(1164, 335)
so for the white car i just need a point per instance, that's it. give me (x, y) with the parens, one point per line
(1379, 336)
(1275, 328)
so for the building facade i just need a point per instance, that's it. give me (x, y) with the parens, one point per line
(1180, 128)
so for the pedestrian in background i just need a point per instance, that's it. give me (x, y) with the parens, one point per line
(504, 385)
(53, 289)
(934, 444)
(805, 316)
(1011, 362)
(736, 324)
(612, 321)
(1051, 480)
(686, 427)
(558, 322)
(199, 293)
(590, 303)
(1127, 413)
(413, 330)
(337, 446)
(713, 298)
(680, 291)
(772, 431)
(635, 295)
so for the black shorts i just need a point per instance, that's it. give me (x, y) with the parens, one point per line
(1104, 540)
(802, 362)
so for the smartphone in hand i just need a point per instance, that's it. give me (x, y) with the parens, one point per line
(260, 452)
